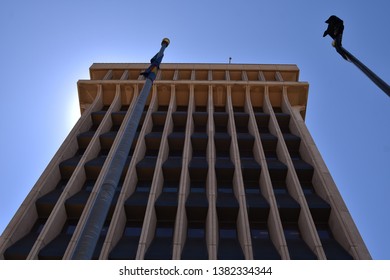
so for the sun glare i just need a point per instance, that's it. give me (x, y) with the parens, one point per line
(73, 111)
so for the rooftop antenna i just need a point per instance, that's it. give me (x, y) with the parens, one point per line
(230, 60)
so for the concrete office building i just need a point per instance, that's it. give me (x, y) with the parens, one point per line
(222, 167)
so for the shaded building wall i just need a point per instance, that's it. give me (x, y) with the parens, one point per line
(222, 167)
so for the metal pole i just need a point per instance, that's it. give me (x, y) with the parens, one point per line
(335, 30)
(373, 77)
(89, 236)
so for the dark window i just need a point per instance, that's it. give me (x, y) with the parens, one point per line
(229, 247)
(260, 234)
(163, 108)
(56, 248)
(201, 108)
(297, 247)
(195, 247)
(127, 246)
(219, 109)
(263, 248)
(181, 108)
(70, 229)
(21, 248)
(161, 247)
(227, 233)
(195, 232)
(132, 231)
(333, 250)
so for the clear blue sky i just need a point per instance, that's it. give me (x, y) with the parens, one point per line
(46, 46)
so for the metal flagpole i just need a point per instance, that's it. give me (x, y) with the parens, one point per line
(97, 215)
(335, 30)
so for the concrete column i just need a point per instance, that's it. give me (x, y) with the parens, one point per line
(91, 153)
(181, 217)
(158, 178)
(118, 220)
(125, 75)
(278, 76)
(148, 226)
(108, 75)
(25, 217)
(305, 223)
(243, 230)
(261, 76)
(274, 223)
(212, 219)
(349, 237)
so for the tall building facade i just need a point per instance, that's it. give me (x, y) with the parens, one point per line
(222, 167)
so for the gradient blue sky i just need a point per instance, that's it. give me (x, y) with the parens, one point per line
(46, 46)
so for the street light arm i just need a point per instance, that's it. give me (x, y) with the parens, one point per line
(373, 77)
(335, 30)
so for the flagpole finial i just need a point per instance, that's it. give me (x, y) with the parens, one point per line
(165, 41)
